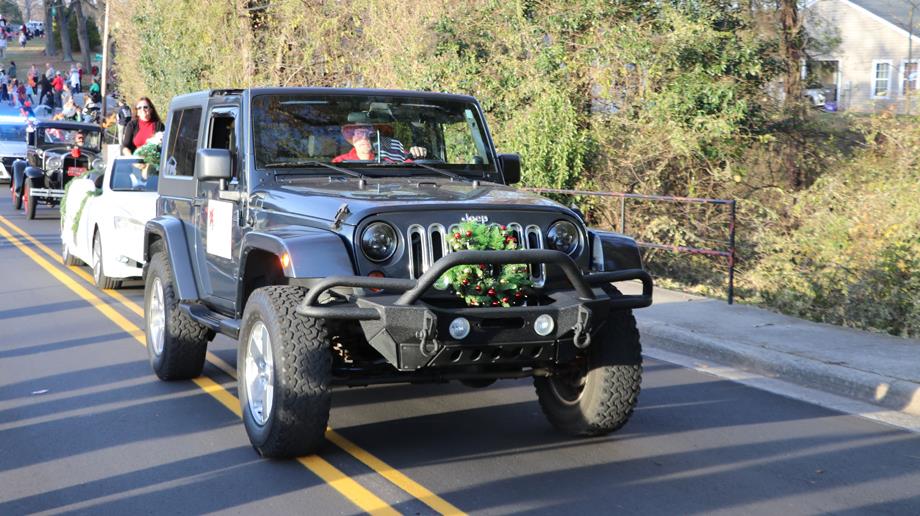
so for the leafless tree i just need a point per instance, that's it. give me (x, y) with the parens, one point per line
(50, 44)
(26, 7)
(82, 34)
(64, 30)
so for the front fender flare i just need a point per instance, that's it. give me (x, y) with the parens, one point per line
(171, 232)
(33, 172)
(613, 252)
(314, 253)
(19, 172)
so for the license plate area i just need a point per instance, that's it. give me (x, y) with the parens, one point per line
(75, 171)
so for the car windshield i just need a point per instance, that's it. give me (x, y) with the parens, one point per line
(131, 175)
(13, 132)
(62, 136)
(291, 131)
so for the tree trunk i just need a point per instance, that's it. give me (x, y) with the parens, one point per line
(792, 46)
(50, 47)
(27, 11)
(64, 31)
(82, 35)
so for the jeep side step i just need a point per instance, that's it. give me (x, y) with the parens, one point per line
(212, 320)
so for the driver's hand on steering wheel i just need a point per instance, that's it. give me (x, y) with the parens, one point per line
(418, 152)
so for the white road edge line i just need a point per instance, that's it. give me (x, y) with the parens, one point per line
(789, 390)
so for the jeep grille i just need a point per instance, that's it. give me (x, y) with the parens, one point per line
(428, 245)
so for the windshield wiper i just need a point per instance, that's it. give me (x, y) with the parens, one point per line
(456, 177)
(313, 163)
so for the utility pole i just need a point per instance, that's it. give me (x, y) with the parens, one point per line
(105, 59)
(910, 57)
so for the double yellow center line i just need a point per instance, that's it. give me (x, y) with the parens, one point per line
(349, 488)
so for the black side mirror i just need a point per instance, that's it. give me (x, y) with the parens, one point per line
(510, 165)
(211, 164)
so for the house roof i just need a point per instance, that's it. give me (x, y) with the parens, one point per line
(896, 12)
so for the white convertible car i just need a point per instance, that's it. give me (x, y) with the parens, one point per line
(12, 144)
(103, 218)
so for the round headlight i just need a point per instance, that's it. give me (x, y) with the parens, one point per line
(54, 163)
(563, 236)
(544, 325)
(459, 328)
(97, 164)
(378, 241)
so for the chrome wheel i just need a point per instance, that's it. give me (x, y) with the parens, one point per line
(260, 373)
(97, 260)
(156, 318)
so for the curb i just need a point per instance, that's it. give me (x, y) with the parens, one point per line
(891, 393)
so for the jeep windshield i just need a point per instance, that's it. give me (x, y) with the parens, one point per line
(381, 135)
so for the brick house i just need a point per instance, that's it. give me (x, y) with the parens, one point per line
(866, 56)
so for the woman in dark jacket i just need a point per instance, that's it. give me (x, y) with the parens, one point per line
(146, 123)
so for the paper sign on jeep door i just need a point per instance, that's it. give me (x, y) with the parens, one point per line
(219, 228)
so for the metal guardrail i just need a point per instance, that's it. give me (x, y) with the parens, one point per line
(728, 253)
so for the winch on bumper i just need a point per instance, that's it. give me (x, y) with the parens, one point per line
(412, 334)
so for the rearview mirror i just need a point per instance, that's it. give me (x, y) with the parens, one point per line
(211, 164)
(511, 168)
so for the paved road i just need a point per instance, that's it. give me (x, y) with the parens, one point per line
(86, 427)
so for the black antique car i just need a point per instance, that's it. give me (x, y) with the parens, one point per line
(56, 152)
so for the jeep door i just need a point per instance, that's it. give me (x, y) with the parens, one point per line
(177, 185)
(218, 216)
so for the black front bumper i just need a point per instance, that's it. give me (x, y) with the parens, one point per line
(412, 334)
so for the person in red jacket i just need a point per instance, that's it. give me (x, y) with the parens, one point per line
(58, 85)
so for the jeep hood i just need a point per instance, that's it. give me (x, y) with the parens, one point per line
(321, 197)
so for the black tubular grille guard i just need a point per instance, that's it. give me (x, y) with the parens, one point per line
(414, 289)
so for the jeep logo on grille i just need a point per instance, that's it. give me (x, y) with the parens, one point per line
(482, 219)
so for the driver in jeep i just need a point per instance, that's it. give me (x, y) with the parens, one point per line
(366, 138)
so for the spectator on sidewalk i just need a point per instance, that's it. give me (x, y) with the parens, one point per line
(123, 116)
(58, 86)
(143, 126)
(47, 93)
(22, 39)
(11, 71)
(49, 71)
(74, 81)
(4, 80)
(95, 90)
(2, 44)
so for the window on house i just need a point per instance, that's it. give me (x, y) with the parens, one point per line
(909, 79)
(882, 78)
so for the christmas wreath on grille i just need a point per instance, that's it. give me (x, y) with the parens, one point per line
(486, 285)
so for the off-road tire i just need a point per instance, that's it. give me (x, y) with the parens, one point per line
(185, 341)
(28, 200)
(68, 258)
(301, 349)
(99, 278)
(613, 366)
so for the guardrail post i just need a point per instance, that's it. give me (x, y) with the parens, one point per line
(622, 215)
(731, 253)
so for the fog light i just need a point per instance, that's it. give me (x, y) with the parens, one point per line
(543, 325)
(459, 328)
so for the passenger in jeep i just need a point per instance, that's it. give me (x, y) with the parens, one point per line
(366, 138)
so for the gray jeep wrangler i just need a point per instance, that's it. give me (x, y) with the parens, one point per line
(313, 226)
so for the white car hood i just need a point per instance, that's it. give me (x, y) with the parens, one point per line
(12, 149)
